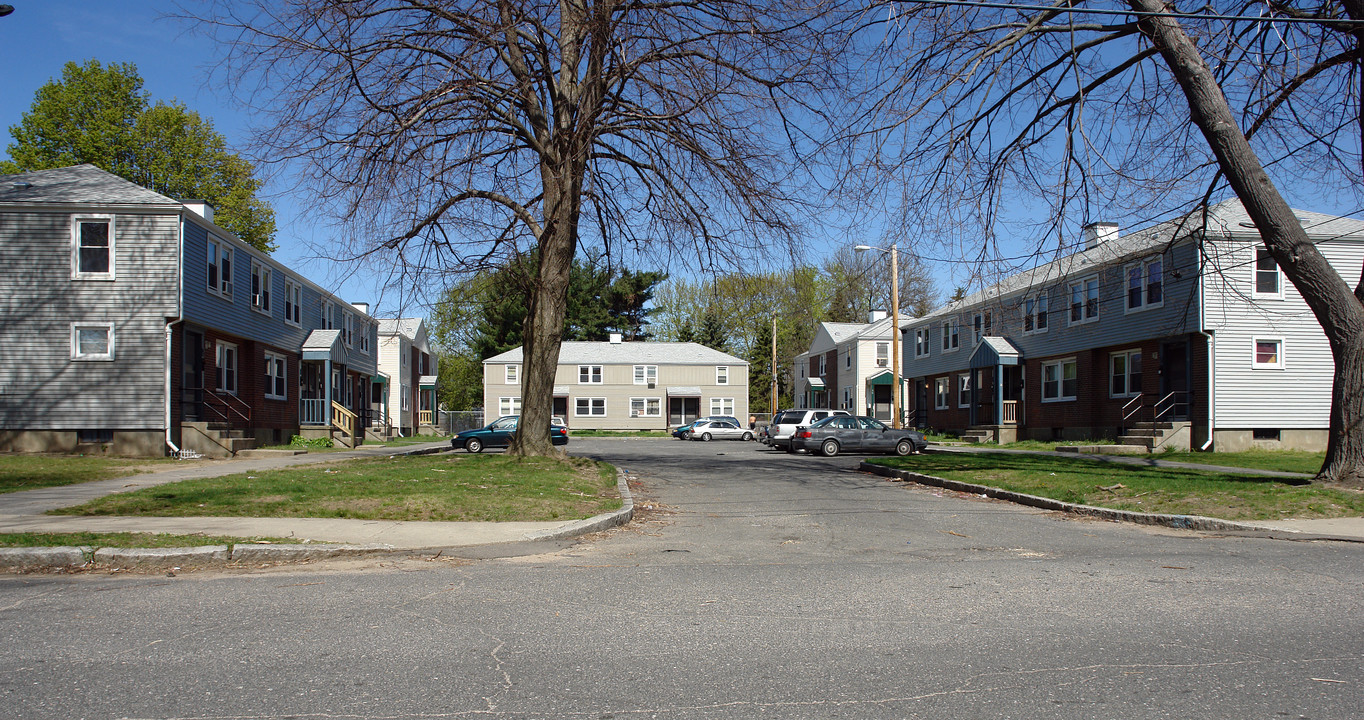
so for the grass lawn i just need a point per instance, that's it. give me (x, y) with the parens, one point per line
(1281, 460)
(23, 471)
(1143, 489)
(443, 487)
(126, 540)
(414, 440)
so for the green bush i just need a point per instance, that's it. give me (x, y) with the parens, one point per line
(301, 442)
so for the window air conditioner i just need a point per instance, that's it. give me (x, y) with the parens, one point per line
(882, 362)
(652, 385)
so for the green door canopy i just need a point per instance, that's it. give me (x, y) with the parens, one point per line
(885, 377)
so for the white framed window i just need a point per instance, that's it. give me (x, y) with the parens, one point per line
(847, 400)
(589, 407)
(219, 268)
(261, 276)
(92, 247)
(722, 374)
(882, 354)
(951, 336)
(1268, 354)
(508, 406)
(348, 328)
(227, 367)
(1060, 380)
(921, 342)
(1144, 284)
(513, 376)
(1035, 314)
(328, 315)
(589, 375)
(406, 393)
(1084, 300)
(92, 341)
(1124, 374)
(722, 406)
(1268, 281)
(823, 370)
(847, 359)
(365, 329)
(981, 326)
(276, 369)
(942, 390)
(293, 302)
(402, 355)
(646, 407)
(646, 374)
(964, 391)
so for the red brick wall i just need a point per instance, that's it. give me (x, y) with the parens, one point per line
(266, 413)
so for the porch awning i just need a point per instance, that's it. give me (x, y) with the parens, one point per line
(426, 382)
(379, 378)
(994, 351)
(885, 377)
(685, 391)
(816, 382)
(324, 345)
(560, 391)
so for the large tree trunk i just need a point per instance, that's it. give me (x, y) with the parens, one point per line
(1337, 308)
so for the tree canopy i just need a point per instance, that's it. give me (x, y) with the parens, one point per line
(99, 114)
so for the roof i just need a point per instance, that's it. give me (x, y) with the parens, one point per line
(406, 326)
(77, 184)
(321, 339)
(684, 391)
(572, 352)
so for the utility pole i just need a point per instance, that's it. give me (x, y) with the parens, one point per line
(895, 331)
(774, 368)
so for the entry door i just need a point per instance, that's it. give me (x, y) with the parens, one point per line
(561, 407)
(920, 403)
(683, 410)
(1174, 377)
(192, 377)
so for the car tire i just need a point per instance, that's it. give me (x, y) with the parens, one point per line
(473, 445)
(829, 448)
(903, 448)
(705, 437)
(748, 436)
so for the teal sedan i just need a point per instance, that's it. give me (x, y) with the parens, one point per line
(499, 433)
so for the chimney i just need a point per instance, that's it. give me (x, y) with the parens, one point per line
(615, 338)
(362, 307)
(200, 208)
(876, 316)
(1099, 232)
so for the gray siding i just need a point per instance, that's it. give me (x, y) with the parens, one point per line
(41, 387)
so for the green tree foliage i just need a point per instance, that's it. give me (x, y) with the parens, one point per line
(100, 115)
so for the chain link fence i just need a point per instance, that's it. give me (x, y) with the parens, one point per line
(453, 421)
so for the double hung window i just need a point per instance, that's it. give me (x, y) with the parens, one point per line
(589, 407)
(921, 342)
(293, 301)
(1084, 300)
(275, 371)
(261, 277)
(722, 406)
(646, 407)
(1268, 283)
(92, 248)
(646, 374)
(589, 375)
(941, 390)
(1268, 354)
(1060, 380)
(1035, 314)
(722, 374)
(219, 268)
(513, 376)
(227, 368)
(951, 335)
(1145, 284)
(1124, 374)
(964, 391)
(508, 406)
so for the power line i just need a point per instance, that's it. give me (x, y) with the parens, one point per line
(1134, 13)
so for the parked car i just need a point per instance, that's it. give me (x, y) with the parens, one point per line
(730, 418)
(683, 432)
(499, 433)
(708, 430)
(786, 422)
(860, 434)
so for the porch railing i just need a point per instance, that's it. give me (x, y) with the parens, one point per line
(230, 408)
(1010, 412)
(1145, 408)
(312, 411)
(344, 420)
(425, 417)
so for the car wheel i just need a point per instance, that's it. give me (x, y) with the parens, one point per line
(904, 447)
(473, 446)
(829, 448)
(705, 437)
(748, 436)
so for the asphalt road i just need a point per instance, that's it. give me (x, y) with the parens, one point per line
(765, 585)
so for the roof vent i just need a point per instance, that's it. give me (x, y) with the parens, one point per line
(1099, 232)
(615, 338)
(20, 185)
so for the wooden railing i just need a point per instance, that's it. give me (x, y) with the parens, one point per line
(425, 417)
(344, 420)
(312, 411)
(1010, 412)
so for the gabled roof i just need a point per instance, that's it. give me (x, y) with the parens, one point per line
(830, 335)
(77, 184)
(407, 327)
(630, 353)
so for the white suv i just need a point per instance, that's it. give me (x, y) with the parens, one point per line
(786, 422)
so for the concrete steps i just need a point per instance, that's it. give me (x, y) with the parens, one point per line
(1152, 436)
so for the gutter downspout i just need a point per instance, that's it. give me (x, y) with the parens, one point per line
(179, 317)
(1212, 346)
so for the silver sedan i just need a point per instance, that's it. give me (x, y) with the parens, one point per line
(719, 430)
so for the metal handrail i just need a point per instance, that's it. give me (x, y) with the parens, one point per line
(1133, 407)
(244, 412)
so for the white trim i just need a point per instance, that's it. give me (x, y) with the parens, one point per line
(1255, 364)
(592, 371)
(1127, 373)
(1060, 380)
(951, 336)
(262, 276)
(275, 361)
(511, 375)
(509, 406)
(293, 302)
(219, 251)
(921, 349)
(942, 393)
(76, 273)
(645, 404)
(220, 367)
(722, 406)
(592, 406)
(1255, 251)
(76, 353)
(1038, 315)
(964, 390)
(721, 378)
(1082, 285)
(646, 374)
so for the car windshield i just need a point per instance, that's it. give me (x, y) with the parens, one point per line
(508, 423)
(872, 424)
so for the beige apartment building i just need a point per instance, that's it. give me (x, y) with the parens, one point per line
(620, 385)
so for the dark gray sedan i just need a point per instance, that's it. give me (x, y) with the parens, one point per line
(841, 433)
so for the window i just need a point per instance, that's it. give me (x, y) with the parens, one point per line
(1268, 354)
(951, 335)
(275, 368)
(1155, 278)
(348, 329)
(365, 330)
(92, 341)
(722, 373)
(847, 400)
(1144, 284)
(1060, 380)
(508, 406)
(407, 398)
(722, 406)
(402, 354)
(219, 268)
(1124, 374)
(822, 368)
(1035, 314)
(921, 342)
(589, 374)
(646, 374)
(227, 368)
(882, 354)
(589, 407)
(847, 359)
(328, 315)
(260, 286)
(293, 302)
(92, 247)
(646, 407)
(941, 388)
(964, 391)
(1267, 282)
(513, 375)
(1084, 300)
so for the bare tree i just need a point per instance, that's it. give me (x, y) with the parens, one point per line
(452, 135)
(1082, 106)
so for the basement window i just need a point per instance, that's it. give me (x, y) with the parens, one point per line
(1265, 434)
(94, 436)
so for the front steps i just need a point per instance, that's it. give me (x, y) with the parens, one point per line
(214, 439)
(1153, 436)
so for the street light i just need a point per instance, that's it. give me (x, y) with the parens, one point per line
(894, 325)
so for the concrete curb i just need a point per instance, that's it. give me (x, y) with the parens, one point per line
(1183, 522)
(596, 523)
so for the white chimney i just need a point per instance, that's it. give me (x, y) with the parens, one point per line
(1099, 232)
(200, 208)
(362, 307)
(876, 316)
(615, 338)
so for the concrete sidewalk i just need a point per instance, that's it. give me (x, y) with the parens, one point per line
(23, 512)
